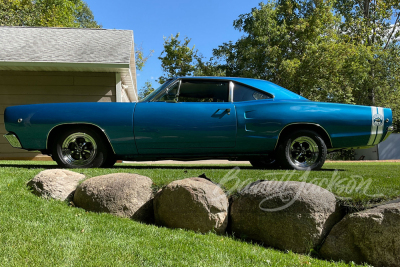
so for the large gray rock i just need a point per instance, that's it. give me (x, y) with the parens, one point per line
(286, 215)
(194, 204)
(122, 194)
(55, 183)
(371, 236)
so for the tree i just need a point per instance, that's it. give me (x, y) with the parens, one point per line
(341, 51)
(146, 90)
(294, 44)
(177, 58)
(47, 13)
(367, 23)
(141, 59)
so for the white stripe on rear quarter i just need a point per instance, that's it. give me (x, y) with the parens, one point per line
(380, 128)
(373, 127)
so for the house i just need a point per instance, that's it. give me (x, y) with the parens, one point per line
(50, 65)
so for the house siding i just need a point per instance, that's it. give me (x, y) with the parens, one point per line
(19, 88)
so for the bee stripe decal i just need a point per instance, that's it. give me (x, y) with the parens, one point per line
(377, 115)
(380, 127)
(373, 127)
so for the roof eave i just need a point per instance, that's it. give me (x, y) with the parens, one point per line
(8, 65)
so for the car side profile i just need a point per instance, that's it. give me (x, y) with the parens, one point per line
(190, 118)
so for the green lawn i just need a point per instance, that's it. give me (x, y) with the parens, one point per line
(39, 232)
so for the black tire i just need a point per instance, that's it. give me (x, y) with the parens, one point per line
(79, 147)
(264, 163)
(302, 150)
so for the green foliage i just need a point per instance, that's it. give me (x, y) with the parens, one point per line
(47, 13)
(146, 90)
(208, 68)
(340, 51)
(177, 58)
(140, 58)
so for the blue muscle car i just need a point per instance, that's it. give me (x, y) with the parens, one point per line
(191, 118)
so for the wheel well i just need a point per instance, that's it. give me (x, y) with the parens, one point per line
(56, 130)
(304, 126)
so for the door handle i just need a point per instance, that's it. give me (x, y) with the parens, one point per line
(227, 110)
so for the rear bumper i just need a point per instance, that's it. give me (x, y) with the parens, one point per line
(13, 140)
(388, 132)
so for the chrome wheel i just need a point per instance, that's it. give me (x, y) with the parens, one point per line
(78, 149)
(304, 152)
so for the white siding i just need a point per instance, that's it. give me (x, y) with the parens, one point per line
(17, 88)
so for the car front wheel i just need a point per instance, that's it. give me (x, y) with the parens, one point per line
(79, 148)
(302, 150)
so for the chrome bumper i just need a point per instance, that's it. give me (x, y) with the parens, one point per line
(13, 140)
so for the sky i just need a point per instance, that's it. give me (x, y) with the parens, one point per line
(209, 23)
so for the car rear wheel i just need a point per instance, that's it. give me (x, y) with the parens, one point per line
(79, 148)
(302, 150)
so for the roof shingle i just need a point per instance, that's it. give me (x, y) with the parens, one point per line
(65, 45)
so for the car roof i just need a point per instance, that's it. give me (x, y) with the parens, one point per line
(277, 91)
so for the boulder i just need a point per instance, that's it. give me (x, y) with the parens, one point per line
(294, 216)
(56, 183)
(193, 203)
(122, 194)
(371, 236)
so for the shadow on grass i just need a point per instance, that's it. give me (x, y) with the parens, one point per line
(160, 166)
(29, 166)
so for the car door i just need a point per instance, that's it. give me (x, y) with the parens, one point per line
(190, 116)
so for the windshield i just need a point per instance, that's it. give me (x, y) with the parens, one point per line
(155, 92)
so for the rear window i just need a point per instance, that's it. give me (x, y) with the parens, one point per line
(243, 93)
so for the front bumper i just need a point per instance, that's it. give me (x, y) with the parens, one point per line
(13, 140)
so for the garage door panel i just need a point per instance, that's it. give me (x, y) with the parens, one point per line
(24, 87)
(13, 100)
(37, 80)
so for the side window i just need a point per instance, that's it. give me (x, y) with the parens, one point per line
(170, 95)
(203, 91)
(244, 93)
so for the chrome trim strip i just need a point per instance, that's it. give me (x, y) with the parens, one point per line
(231, 84)
(310, 123)
(169, 86)
(13, 140)
(83, 123)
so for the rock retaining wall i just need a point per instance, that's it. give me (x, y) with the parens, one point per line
(285, 215)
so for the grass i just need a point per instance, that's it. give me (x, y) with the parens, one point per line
(40, 232)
